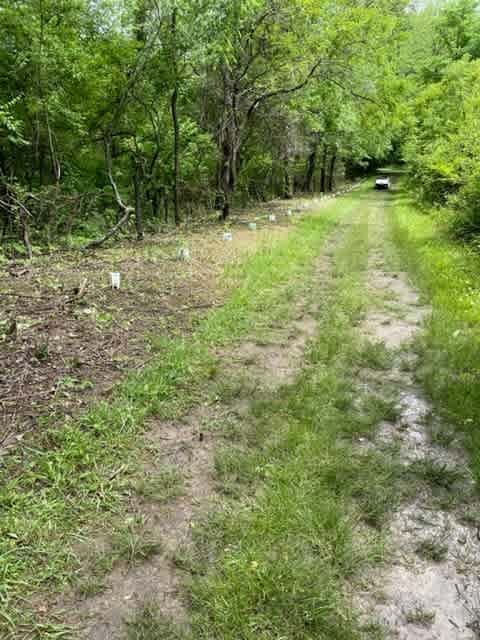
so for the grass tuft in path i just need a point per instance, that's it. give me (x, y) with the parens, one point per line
(149, 624)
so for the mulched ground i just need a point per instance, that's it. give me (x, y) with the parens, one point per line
(66, 337)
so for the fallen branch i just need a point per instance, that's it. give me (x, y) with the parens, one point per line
(23, 213)
(117, 472)
(127, 211)
(19, 295)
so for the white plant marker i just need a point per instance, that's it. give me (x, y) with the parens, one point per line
(115, 280)
(289, 213)
(272, 217)
(228, 236)
(183, 254)
(252, 226)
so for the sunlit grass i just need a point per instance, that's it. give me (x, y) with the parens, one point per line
(448, 274)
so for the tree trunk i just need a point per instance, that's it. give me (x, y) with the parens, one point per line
(176, 156)
(323, 173)
(228, 169)
(154, 199)
(311, 166)
(138, 187)
(226, 206)
(176, 127)
(331, 174)
(287, 180)
(57, 170)
(41, 164)
(229, 143)
(165, 206)
(22, 214)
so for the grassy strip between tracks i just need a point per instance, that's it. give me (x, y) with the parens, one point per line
(307, 513)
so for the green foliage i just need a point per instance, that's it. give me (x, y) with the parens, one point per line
(258, 85)
(10, 127)
(442, 122)
(444, 151)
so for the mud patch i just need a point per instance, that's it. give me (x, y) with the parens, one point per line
(381, 327)
(276, 364)
(398, 324)
(430, 588)
(427, 599)
(440, 606)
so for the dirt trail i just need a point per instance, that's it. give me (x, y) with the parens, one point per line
(430, 587)
(189, 445)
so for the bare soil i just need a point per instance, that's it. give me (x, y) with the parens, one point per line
(429, 588)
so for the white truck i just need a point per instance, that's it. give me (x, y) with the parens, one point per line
(382, 183)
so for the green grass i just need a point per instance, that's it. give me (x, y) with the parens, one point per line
(133, 543)
(160, 487)
(274, 565)
(437, 474)
(440, 433)
(379, 408)
(149, 624)
(71, 481)
(448, 275)
(433, 549)
(420, 616)
(90, 586)
(376, 356)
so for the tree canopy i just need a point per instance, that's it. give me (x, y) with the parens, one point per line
(442, 115)
(116, 111)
